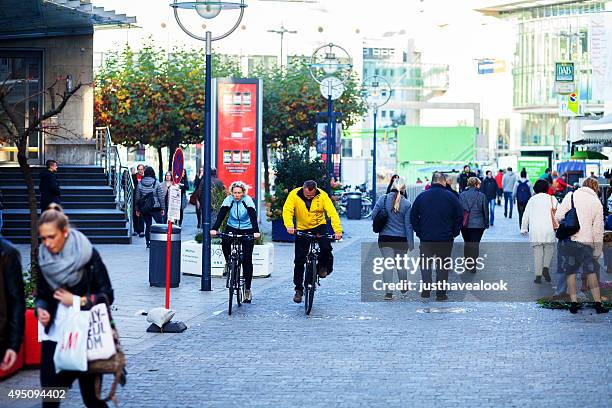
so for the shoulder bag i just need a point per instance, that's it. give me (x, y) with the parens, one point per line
(380, 220)
(569, 225)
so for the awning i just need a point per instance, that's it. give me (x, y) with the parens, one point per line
(52, 18)
(598, 132)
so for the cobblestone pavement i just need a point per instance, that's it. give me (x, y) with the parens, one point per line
(349, 353)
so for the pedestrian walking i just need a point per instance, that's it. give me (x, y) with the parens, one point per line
(582, 250)
(489, 189)
(464, 177)
(184, 185)
(72, 273)
(499, 180)
(241, 214)
(508, 182)
(522, 192)
(149, 201)
(137, 220)
(397, 237)
(12, 304)
(540, 223)
(436, 217)
(475, 219)
(449, 186)
(392, 183)
(49, 186)
(547, 176)
(309, 206)
(165, 187)
(195, 197)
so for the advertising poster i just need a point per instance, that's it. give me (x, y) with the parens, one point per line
(535, 167)
(237, 132)
(322, 138)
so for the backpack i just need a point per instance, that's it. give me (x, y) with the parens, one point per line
(146, 203)
(523, 193)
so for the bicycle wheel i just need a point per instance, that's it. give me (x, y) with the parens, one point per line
(232, 277)
(309, 288)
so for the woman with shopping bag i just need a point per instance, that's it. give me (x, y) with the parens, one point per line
(73, 280)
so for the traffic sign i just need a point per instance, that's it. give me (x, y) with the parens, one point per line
(178, 164)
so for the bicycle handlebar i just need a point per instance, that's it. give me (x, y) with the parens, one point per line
(231, 235)
(315, 236)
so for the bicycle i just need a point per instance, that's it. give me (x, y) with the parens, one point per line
(234, 281)
(311, 277)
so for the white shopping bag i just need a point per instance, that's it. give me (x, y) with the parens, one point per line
(71, 351)
(100, 342)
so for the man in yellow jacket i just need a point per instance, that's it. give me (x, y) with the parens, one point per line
(308, 205)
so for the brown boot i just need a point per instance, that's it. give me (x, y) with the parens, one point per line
(297, 298)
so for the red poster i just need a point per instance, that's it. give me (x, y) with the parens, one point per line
(237, 127)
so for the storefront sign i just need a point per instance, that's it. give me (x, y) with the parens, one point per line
(564, 72)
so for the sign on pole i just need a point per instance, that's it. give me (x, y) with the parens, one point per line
(174, 203)
(178, 164)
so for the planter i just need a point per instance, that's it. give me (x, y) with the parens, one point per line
(18, 365)
(191, 259)
(279, 232)
(31, 340)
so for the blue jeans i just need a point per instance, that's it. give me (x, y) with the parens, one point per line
(508, 197)
(491, 211)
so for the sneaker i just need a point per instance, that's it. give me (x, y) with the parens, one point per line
(297, 298)
(322, 272)
(546, 274)
(134, 234)
(425, 294)
(248, 296)
(148, 245)
(599, 308)
(388, 296)
(538, 280)
(573, 308)
(441, 297)
(141, 235)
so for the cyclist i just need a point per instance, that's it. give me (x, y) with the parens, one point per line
(241, 219)
(308, 205)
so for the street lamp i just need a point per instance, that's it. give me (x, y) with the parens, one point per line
(376, 93)
(207, 9)
(330, 73)
(282, 31)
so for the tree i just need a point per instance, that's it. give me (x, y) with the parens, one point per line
(13, 131)
(291, 100)
(150, 98)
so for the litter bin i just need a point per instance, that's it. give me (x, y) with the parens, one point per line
(157, 256)
(353, 205)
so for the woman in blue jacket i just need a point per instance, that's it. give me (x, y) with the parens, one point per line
(241, 215)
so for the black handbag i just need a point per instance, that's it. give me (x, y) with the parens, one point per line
(569, 225)
(380, 220)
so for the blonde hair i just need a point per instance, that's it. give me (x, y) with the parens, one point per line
(473, 182)
(592, 184)
(55, 215)
(400, 185)
(238, 184)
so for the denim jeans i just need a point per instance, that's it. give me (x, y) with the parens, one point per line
(508, 197)
(491, 211)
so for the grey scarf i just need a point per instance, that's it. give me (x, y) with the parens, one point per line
(66, 268)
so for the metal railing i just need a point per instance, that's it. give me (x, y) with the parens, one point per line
(118, 175)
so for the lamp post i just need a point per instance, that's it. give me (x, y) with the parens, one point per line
(376, 93)
(207, 9)
(282, 31)
(330, 73)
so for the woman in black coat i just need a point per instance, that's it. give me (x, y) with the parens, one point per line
(12, 304)
(72, 272)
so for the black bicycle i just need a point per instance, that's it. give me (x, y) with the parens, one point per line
(233, 268)
(311, 277)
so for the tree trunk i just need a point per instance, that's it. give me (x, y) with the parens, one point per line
(264, 151)
(32, 204)
(160, 157)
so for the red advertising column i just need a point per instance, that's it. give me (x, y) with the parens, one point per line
(238, 133)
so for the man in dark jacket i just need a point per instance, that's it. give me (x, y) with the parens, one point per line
(436, 217)
(489, 188)
(1, 208)
(12, 304)
(463, 178)
(49, 186)
(137, 220)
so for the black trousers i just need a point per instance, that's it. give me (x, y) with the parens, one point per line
(137, 221)
(247, 253)
(301, 250)
(429, 251)
(471, 237)
(521, 210)
(148, 220)
(49, 378)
